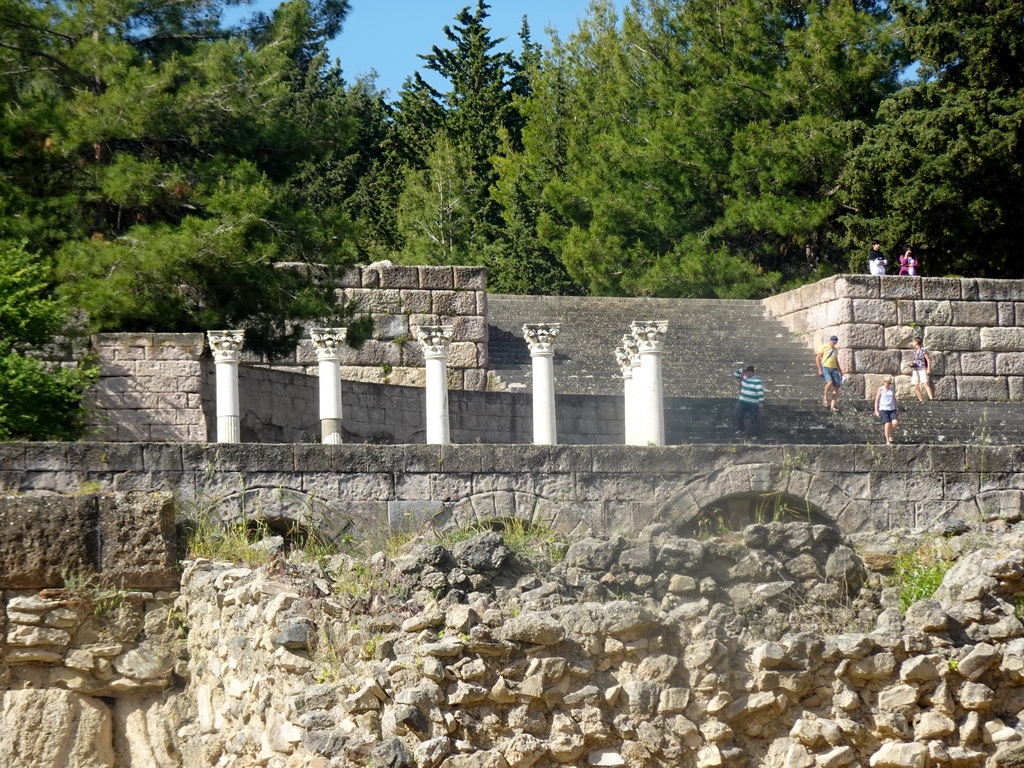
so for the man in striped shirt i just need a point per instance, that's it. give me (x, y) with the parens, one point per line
(750, 402)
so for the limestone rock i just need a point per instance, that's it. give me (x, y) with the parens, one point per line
(55, 727)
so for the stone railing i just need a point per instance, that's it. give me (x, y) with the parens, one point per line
(367, 488)
(972, 328)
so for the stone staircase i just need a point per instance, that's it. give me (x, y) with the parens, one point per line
(707, 340)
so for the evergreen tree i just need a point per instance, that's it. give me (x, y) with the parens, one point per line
(695, 148)
(944, 167)
(174, 165)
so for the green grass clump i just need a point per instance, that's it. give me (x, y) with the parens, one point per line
(919, 573)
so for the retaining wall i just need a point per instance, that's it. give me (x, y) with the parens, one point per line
(973, 329)
(361, 488)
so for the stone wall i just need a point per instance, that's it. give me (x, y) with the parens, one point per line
(366, 488)
(128, 539)
(160, 387)
(774, 647)
(972, 328)
(398, 298)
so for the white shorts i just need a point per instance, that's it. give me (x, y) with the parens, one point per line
(919, 376)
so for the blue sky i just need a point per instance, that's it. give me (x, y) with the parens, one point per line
(386, 35)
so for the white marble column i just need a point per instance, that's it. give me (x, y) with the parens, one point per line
(649, 336)
(328, 343)
(628, 359)
(541, 339)
(435, 340)
(226, 346)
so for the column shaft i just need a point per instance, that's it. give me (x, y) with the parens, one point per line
(226, 346)
(328, 342)
(435, 340)
(541, 339)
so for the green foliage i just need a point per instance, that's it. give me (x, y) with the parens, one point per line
(92, 589)
(173, 166)
(692, 149)
(943, 167)
(39, 400)
(919, 573)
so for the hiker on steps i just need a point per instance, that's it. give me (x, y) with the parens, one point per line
(886, 408)
(827, 361)
(750, 402)
(919, 369)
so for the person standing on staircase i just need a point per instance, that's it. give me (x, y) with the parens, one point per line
(827, 360)
(919, 369)
(750, 402)
(886, 409)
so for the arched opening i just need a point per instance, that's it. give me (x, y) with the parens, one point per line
(294, 534)
(735, 512)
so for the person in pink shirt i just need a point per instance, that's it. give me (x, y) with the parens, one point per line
(908, 262)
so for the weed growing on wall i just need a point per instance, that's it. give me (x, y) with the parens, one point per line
(89, 588)
(919, 573)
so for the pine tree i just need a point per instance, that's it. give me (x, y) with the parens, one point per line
(944, 167)
(167, 161)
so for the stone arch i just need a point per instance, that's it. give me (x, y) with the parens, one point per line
(829, 502)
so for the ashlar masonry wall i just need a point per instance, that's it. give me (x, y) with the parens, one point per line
(972, 328)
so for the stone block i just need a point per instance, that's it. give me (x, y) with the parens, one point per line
(928, 313)
(1016, 386)
(941, 288)
(470, 278)
(969, 289)
(874, 311)
(138, 540)
(453, 303)
(982, 313)
(436, 278)
(396, 276)
(839, 312)
(857, 286)
(899, 287)
(876, 361)
(898, 336)
(403, 376)
(470, 328)
(982, 388)
(45, 536)
(377, 301)
(462, 354)
(415, 302)
(978, 363)
(999, 290)
(1007, 314)
(906, 312)
(373, 352)
(353, 278)
(1002, 339)
(390, 326)
(475, 380)
(481, 303)
(945, 338)
(945, 387)
(863, 336)
(412, 354)
(371, 277)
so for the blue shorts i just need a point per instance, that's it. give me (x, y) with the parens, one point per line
(833, 375)
(887, 416)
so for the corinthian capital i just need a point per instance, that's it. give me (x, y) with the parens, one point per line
(435, 339)
(540, 337)
(649, 334)
(328, 342)
(226, 345)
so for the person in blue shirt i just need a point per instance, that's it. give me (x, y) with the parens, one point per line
(750, 402)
